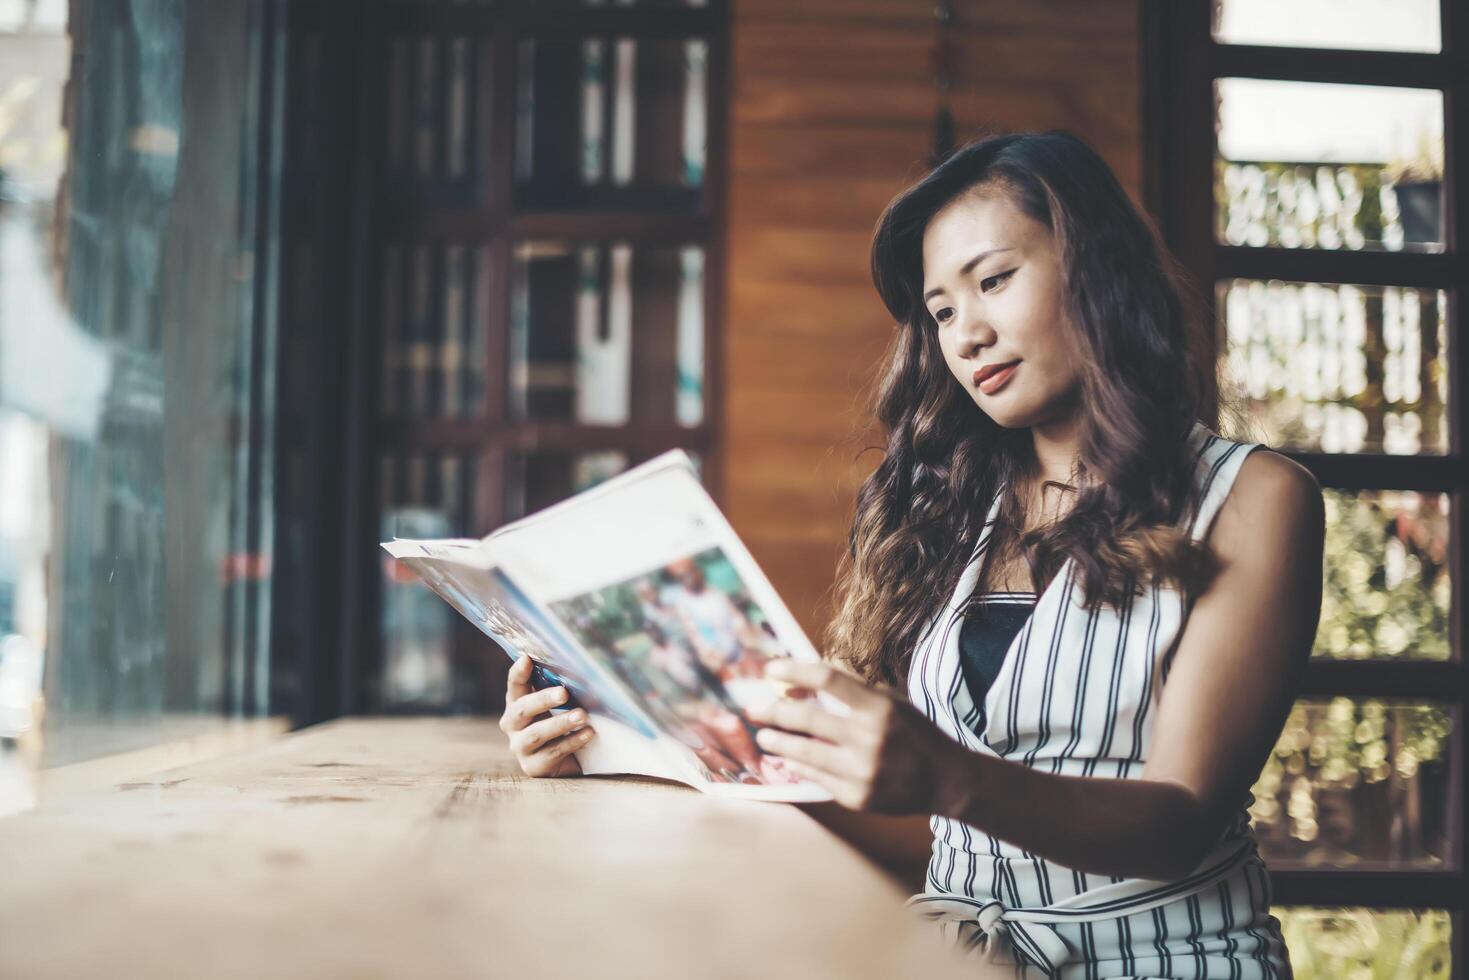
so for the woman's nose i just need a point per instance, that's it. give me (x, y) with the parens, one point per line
(975, 333)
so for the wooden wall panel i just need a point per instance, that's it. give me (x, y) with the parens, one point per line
(831, 114)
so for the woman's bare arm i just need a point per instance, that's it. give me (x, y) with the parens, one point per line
(1231, 684)
(899, 845)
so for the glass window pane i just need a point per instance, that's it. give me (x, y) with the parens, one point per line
(1332, 943)
(14, 15)
(603, 121)
(136, 453)
(1380, 25)
(1308, 165)
(1386, 589)
(607, 334)
(1357, 783)
(1337, 368)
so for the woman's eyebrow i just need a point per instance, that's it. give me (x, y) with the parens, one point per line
(965, 270)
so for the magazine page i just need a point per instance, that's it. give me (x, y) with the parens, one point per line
(645, 572)
(627, 740)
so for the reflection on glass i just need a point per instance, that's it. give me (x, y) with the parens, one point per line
(1379, 25)
(597, 118)
(1332, 943)
(1337, 368)
(540, 479)
(1357, 783)
(1385, 576)
(135, 543)
(1310, 165)
(605, 335)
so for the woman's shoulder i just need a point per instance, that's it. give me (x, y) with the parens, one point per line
(1272, 475)
(1273, 499)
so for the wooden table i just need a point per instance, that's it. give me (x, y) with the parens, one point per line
(376, 848)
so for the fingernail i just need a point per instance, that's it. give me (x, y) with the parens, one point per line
(578, 717)
(775, 668)
(765, 737)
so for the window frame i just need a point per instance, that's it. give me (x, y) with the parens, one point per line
(1180, 63)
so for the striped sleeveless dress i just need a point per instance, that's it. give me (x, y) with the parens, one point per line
(1074, 696)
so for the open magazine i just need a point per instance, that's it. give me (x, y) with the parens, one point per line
(638, 597)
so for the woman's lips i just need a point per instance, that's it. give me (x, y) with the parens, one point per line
(998, 379)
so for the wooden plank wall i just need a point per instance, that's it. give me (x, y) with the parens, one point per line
(831, 116)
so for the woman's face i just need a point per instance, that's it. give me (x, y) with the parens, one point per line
(1000, 319)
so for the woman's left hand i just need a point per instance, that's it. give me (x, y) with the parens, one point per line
(885, 757)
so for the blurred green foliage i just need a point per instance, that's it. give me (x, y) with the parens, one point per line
(1367, 944)
(1362, 780)
(1385, 588)
(1353, 781)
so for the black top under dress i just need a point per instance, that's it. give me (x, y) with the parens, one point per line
(987, 633)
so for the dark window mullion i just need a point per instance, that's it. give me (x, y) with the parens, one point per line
(1374, 889)
(1397, 678)
(1333, 66)
(1420, 270)
(1441, 474)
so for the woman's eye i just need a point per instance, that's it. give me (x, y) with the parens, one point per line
(1001, 277)
(983, 287)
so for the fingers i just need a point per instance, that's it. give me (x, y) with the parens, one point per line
(523, 710)
(550, 758)
(802, 716)
(542, 747)
(532, 737)
(843, 791)
(835, 759)
(821, 677)
(817, 762)
(517, 684)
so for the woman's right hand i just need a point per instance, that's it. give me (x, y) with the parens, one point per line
(543, 743)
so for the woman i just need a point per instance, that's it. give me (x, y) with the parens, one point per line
(1072, 618)
(1130, 598)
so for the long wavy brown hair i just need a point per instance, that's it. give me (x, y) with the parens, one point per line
(1145, 379)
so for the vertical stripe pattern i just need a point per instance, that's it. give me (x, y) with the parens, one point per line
(1074, 696)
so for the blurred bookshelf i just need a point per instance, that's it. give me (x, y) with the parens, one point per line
(537, 238)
